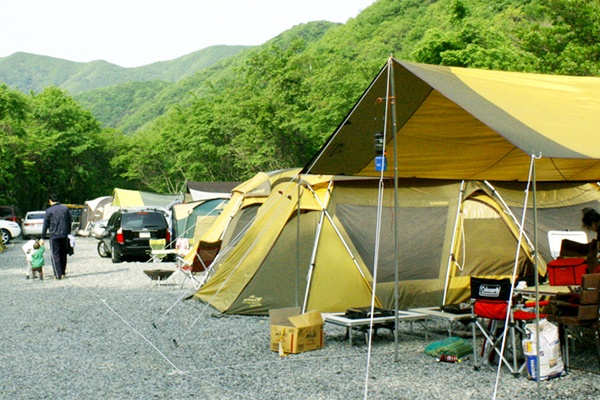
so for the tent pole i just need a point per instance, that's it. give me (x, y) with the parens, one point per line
(313, 256)
(453, 242)
(396, 208)
(298, 247)
(509, 211)
(339, 234)
(536, 280)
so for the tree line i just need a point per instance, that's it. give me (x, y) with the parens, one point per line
(278, 107)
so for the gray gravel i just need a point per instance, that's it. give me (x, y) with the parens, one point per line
(92, 336)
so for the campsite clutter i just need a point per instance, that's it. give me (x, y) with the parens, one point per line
(551, 364)
(294, 332)
(348, 231)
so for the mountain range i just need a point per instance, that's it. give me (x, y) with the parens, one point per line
(27, 72)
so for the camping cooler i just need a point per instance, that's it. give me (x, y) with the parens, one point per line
(566, 271)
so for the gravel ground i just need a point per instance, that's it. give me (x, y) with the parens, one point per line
(106, 332)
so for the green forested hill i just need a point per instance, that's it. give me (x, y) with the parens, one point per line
(270, 106)
(148, 104)
(28, 72)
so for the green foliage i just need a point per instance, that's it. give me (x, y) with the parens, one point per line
(115, 106)
(28, 72)
(569, 44)
(49, 143)
(263, 108)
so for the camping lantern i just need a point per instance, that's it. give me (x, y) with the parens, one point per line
(380, 161)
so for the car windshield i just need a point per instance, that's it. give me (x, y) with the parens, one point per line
(39, 215)
(143, 220)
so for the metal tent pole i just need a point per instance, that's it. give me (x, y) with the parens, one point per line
(396, 208)
(313, 256)
(453, 242)
(298, 248)
(536, 280)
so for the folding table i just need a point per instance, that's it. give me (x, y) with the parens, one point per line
(378, 322)
(449, 318)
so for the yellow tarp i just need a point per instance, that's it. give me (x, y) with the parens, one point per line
(458, 123)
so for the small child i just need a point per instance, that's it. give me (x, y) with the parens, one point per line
(28, 250)
(37, 259)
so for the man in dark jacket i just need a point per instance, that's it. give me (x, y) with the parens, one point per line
(57, 222)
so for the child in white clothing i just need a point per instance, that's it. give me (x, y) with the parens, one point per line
(28, 250)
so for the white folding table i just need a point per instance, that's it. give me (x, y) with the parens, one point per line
(340, 319)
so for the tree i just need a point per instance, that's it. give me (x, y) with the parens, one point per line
(569, 44)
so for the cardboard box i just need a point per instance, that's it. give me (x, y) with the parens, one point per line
(293, 332)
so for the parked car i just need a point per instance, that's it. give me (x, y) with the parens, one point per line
(33, 224)
(97, 228)
(129, 231)
(9, 230)
(11, 213)
(76, 210)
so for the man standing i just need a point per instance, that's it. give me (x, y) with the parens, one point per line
(57, 222)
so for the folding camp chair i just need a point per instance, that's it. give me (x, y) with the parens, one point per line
(490, 299)
(157, 253)
(196, 270)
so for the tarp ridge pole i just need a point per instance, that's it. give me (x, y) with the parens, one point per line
(537, 292)
(378, 229)
(297, 296)
(453, 242)
(392, 89)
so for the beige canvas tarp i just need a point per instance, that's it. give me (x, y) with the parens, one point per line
(458, 123)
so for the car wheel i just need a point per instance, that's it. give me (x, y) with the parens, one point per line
(5, 236)
(103, 250)
(116, 257)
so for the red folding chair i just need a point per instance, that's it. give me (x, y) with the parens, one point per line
(490, 299)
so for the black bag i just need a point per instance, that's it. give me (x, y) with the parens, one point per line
(365, 312)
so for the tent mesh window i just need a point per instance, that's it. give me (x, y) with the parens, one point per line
(421, 238)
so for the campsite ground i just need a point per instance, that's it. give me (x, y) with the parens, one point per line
(106, 332)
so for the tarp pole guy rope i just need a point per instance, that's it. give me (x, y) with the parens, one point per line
(176, 370)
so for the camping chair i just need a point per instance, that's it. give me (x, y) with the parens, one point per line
(157, 247)
(490, 300)
(205, 255)
(579, 316)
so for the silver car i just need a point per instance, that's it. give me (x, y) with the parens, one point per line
(97, 228)
(9, 230)
(33, 223)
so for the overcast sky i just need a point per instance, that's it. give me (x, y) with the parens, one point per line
(131, 33)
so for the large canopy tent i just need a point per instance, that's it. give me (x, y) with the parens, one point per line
(197, 191)
(454, 123)
(244, 201)
(311, 244)
(94, 210)
(457, 123)
(136, 198)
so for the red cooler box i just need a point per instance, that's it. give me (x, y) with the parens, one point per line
(566, 271)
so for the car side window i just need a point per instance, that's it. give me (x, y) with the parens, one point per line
(113, 221)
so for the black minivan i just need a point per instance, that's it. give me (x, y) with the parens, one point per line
(129, 231)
